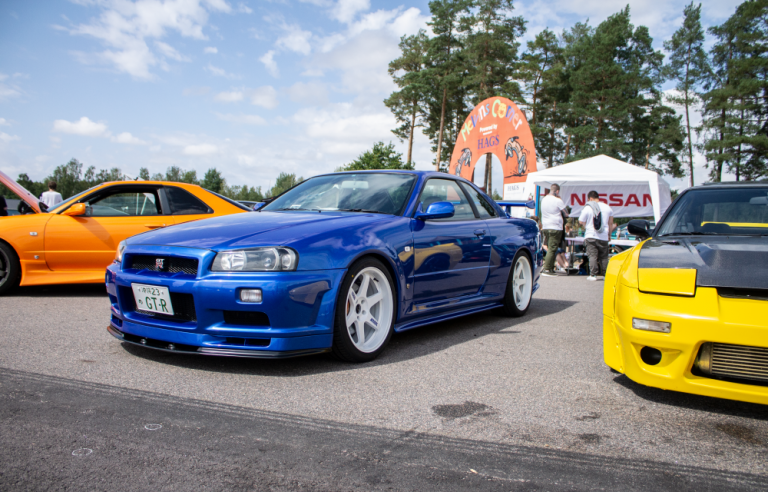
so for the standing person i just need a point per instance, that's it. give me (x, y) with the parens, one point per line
(597, 219)
(552, 225)
(51, 197)
(3, 206)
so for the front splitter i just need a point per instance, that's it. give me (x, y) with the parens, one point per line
(176, 348)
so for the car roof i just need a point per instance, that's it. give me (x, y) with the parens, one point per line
(734, 184)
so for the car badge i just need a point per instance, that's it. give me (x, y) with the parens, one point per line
(159, 263)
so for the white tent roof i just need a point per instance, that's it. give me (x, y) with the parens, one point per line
(604, 170)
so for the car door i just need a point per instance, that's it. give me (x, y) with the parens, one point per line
(451, 256)
(114, 213)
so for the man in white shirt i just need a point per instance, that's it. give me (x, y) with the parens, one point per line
(51, 198)
(552, 226)
(596, 240)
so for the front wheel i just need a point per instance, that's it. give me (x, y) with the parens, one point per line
(517, 298)
(10, 269)
(365, 312)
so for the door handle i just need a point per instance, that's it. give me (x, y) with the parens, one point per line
(153, 226)
(479, 232)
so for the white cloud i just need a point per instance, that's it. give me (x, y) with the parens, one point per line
(8, 91)
(84, 126)
(295, 39)
(127, 138)
(200, 149)
(4, 122)
(269, 63)
(243, 119)
(210, 50)
(124, 28)
(5, 138)
(230, 96)
(346, 10)
(244, 9)
(220, 72)
(266, 97)
(170, 52)
(311, 93)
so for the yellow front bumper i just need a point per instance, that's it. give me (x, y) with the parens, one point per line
(704, 317)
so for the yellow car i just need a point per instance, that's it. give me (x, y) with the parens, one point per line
(687, 309)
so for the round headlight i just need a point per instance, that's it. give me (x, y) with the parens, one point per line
(256, 260)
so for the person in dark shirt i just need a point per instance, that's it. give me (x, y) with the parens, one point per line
(3, 207)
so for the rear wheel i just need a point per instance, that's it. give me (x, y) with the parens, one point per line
(10, 269)
(365, 314)
(517, 298)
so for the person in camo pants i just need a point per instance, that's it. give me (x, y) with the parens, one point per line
(552, 216)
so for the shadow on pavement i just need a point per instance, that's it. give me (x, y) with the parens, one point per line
(694, 402)
(403, 346)
(64, 290)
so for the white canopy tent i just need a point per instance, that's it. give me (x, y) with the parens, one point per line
(630, 190)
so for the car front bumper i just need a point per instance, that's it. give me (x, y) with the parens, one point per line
(705, 317)
(294, 318)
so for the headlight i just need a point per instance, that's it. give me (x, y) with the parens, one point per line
(119, 252)
(256, 260)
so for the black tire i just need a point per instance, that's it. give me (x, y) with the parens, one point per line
(514, 307)
(344, 347)
(10, 269)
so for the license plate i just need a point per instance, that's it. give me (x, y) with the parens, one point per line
(152, 298)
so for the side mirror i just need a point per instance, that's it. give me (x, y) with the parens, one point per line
(640, 228)
(78, 209)
(258, 206)
(437, 210)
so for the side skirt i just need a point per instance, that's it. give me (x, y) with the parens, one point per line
(444, 317)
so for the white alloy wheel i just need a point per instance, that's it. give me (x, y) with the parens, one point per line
(522, 282)
(368, 309)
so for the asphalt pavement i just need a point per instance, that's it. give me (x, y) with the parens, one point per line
(482, 402)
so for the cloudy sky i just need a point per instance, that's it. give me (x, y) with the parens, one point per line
(252, 87)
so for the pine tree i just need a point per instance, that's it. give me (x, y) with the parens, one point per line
(689, 66)
(407, 104)
(445, 70)
(736, 106)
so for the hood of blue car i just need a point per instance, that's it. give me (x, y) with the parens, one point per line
(739, 262)
(252, 229)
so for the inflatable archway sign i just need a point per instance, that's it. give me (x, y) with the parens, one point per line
(495, 126)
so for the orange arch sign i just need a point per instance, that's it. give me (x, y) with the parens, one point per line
(495, 126)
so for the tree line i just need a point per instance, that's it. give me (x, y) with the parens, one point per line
(593, 90)
(71, 180)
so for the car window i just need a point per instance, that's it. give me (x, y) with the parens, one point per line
(484, 209)
(384, 193)
(446, 190)
(125, 203)
(183, 202)
(741, 211)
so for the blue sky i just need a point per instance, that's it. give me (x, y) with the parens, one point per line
(252, 88)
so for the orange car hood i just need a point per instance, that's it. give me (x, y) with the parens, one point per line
(23, 193)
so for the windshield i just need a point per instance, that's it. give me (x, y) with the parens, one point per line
(384, 193)
(739, 211)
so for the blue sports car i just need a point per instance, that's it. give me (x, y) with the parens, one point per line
(337, 263)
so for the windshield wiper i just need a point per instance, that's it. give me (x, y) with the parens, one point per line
(298, 209)
(693, 234)
(360, 210)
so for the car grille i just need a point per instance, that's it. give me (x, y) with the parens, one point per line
(246, 318)
(183, 306)
(170, 264)
(740, 362)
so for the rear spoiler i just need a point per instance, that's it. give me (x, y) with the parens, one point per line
(518, 203)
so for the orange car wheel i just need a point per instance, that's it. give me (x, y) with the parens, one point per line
(10, 269)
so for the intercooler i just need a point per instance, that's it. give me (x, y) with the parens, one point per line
(726, 361)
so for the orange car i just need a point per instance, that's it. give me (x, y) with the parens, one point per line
(75, 241)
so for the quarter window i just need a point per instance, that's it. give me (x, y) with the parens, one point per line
(183, 202)
(447, 190)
